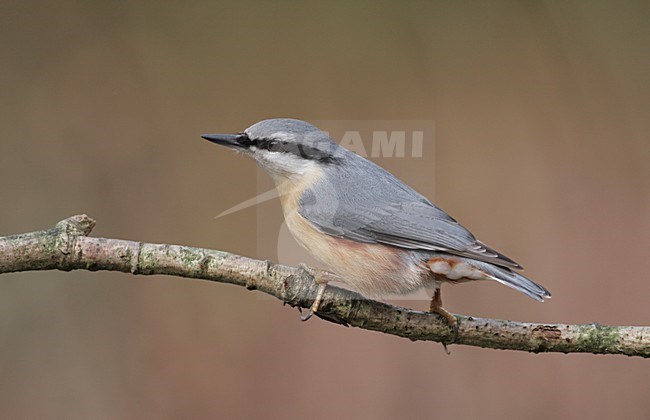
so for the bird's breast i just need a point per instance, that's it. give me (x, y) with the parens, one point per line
(370, 268)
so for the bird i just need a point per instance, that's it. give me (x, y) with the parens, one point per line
(372, 231)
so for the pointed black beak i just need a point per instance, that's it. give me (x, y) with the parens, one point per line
(228, 140)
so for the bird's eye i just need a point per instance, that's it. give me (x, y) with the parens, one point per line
(267, 144)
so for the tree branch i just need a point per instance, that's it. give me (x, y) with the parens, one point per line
(68, 247)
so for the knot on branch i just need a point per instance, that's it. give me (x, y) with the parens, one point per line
(67, 232)
(79, 225)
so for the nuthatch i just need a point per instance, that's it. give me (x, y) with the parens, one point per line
(374, 232)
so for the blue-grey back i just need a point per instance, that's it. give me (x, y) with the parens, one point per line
(359, 200)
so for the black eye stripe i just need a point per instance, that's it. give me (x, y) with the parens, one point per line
(267, 144)
(242, 138)
(302, 150)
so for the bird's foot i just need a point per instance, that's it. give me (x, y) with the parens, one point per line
(453, 324)
(321, 278)
(450, 319)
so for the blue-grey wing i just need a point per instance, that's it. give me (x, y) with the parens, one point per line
(364, 203)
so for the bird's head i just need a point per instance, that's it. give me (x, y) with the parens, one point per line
(284, 147)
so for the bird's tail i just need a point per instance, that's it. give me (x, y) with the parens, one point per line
(515, 280)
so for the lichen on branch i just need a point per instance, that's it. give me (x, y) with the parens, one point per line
(67, 246)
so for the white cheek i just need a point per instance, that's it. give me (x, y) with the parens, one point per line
(285, 164)
(299, 164)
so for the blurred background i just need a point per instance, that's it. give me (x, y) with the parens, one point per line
(541, 149)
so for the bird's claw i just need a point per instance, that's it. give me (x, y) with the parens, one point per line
(454, 330)
(308, 315)
(454, 333)
(321, 279)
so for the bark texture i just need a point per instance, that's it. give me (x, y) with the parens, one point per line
(67, 246)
